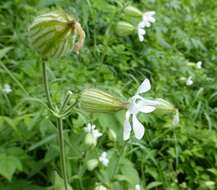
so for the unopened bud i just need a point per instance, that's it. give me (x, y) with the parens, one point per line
(164, 105)
(52, 34)
(92, 164)
(100, 187)
(94, 100)
(124, 28)
(132, 11)
(90, 140)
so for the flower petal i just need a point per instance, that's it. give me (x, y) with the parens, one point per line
(144, 87)
(138, 128)
(141, 25)
(146, 109)
(127, 127)
(141, 38)
(141, 31)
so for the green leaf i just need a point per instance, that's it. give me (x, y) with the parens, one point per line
(9, 165)
(4, 51)
(130, 173)
(59, 183)
(153, 184)
(20, 185)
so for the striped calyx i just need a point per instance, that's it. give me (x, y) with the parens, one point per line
(53, 34)
(124, 28)
(94, 100)
(133, 11)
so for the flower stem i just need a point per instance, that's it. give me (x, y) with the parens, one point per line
(46, 87)
(59, 126)
(62, 151)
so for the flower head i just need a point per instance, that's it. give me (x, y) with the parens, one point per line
(137, 187)
(92, 164)
(139, 104)
(104, 159)
(91, 129)
(199, 64)
(92, 134)
(53, 34)
(147, 19)
(7, 89)
(189, 81)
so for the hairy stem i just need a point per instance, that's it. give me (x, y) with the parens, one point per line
(46, 86)
(59, 126)
(62, 151)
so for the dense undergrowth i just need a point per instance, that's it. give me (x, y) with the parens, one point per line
(168, 157)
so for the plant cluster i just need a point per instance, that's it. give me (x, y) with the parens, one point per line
(177, 53)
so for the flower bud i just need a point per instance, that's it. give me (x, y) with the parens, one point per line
(124, 28)
(92, 164)
(94, 100)
(164, 105)
(132, 11)
(100, 187)
(90, 140)
(52, 34)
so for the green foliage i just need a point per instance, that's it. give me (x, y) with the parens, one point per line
(59, 183)
(168, 157)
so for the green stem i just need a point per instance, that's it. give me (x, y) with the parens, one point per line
(66, 101)
(46, 87)
(62, 151)
(59, 125)
(116, 168)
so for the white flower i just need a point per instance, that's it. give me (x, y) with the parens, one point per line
(147, 19)
(91, 130)
(104, 159)
(189, 81)
(137, 187)
(199, 64)
(141, 31)
(7, 89)
(137, 104)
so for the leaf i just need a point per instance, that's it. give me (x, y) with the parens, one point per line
(9, 165)
(20, 185)
(129, 172)
(153, 184)
(59, 183)
(42, 142)
(4, 51)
